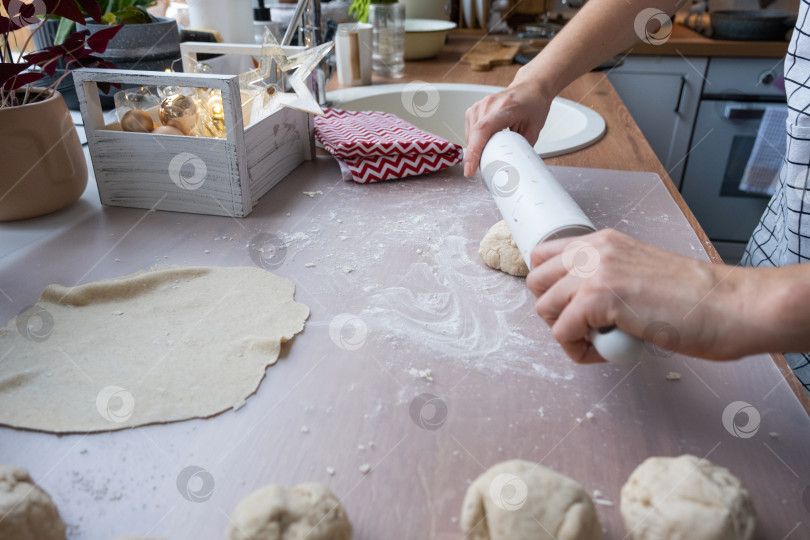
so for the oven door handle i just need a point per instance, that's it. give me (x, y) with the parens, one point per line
(734, 111)
(680, 95)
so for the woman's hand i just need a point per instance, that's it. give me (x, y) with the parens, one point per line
(670, 301)
(522, 107)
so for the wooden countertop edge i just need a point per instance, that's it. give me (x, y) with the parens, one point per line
(682, 42)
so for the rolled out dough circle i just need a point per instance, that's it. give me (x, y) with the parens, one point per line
(169, 344)
(499, 251)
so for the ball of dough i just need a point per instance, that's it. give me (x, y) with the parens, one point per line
(521, 500)
(26, 511)
(274, 512)
(499, 251)
(686, 498)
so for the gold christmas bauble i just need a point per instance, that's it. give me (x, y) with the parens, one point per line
(167, 130)
(137, 120)
(180, 112)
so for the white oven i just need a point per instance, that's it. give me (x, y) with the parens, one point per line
(735, 95)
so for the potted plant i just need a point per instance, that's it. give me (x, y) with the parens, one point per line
(359, 8)
(145, 42)
(45, 168)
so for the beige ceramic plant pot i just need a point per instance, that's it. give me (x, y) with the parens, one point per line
(43, 168)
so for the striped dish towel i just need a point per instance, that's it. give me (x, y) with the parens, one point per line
(377, 146)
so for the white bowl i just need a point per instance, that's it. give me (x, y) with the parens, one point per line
(424, 38)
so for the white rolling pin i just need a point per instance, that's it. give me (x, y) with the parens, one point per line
(536, 208)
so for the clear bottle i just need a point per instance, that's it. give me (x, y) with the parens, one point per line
(388, 21)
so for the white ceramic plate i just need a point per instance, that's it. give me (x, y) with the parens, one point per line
(439, 108)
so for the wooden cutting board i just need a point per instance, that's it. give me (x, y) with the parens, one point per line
(486, 54)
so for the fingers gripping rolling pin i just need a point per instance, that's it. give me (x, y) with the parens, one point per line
(536, 208)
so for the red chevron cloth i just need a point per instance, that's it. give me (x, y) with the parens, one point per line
(377, 146)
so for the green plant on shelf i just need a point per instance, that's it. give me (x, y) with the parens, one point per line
(18, 72)
(113, 12)
(359, 8)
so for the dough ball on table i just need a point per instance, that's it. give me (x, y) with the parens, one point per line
(26, 511)
(520, 500)
(686, 498)
(307, 511)
(499, 251)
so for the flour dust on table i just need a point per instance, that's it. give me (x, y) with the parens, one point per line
(165, 345)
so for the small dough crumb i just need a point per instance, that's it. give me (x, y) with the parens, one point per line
(361, 447)
(774, 435)
(346, 269)
(365, 468)
(589, 415)
(600, 499)
(304, 429)
(207, 251)
(310, 265)
(673, 376)
(426, 374)
(330, 471)
(311, 194)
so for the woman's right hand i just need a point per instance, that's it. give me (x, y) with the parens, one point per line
(522, 107)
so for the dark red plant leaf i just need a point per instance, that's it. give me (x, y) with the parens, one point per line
(92, 8)
(6, 26)
(105, 86)
(47, 59)
(99, 40)
(65, 8)
(9, 70)
(21, 80)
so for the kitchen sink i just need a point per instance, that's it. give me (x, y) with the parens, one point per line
(439, 108)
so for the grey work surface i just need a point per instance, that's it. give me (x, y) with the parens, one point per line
(417, 296)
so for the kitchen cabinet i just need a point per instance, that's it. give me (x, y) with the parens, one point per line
(662, 95)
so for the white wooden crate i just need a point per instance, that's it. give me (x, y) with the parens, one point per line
(200, 175)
